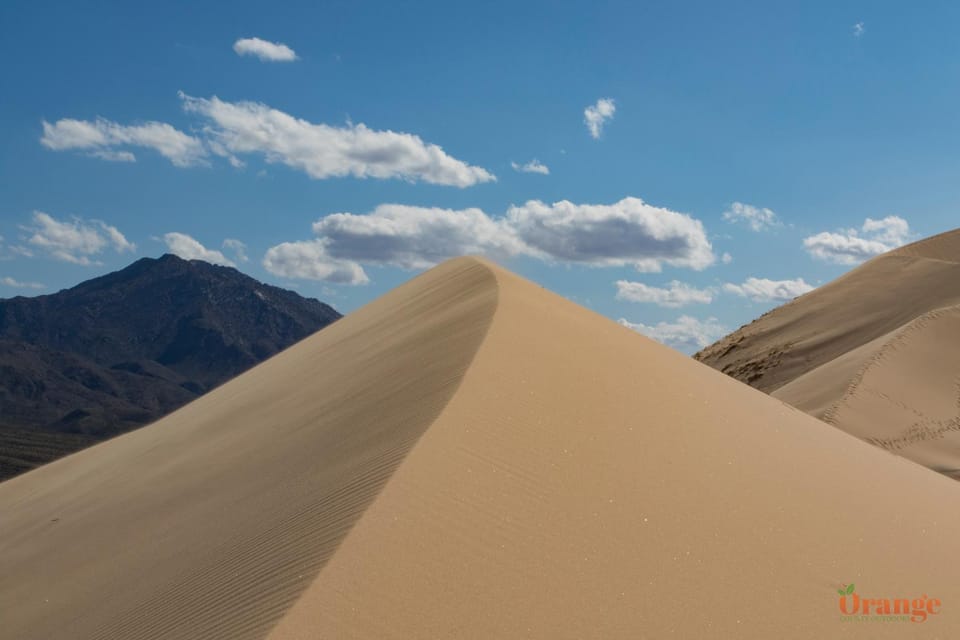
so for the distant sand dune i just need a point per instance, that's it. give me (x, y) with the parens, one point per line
(472, 456)
(873, 353)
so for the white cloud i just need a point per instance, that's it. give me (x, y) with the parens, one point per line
(394, 235)
(114, 156)
(17, 284)
(534, 166)
(309, 260)
(597, 115)
(851, 246)
(76, 241)
(324, 151)
(628, 232)
(238, 248)
(687, 334)
(265, 50)
(757, 218)
(726, 258)
(765, 290)
(101, 138)
(677, 295)
(188, 248)
(859, 30)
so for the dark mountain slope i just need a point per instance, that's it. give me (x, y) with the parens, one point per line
(122, 350)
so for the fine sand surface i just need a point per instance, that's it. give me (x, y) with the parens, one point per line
(472, 456)
(874, 353)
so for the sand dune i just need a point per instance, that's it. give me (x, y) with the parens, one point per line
(472, 456)
(873, 300)
(872, 353)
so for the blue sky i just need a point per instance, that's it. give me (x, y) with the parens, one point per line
(779, 135)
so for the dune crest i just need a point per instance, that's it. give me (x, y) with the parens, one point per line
(551, 475)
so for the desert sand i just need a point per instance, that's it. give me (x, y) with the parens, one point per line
(472, 456)
(873, 353)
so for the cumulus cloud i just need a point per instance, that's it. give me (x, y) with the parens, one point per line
(265, 50)
(597, 115)
(101, 137)
(765, 290)
(188, 248)
(687, 334)
(238, 248)
(17, 284)
(859, 29)
(534, 166)
(310, 260)
(77, 240)
(852, 246)
(323, 151)
(677, 294)
(629, 232)
(756, 218)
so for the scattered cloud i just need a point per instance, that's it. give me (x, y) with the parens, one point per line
(756, 218)
(16, 284)
(629, 232)
(76, 241)
(534, 166)
(238, 248)
(265, 50)
(852, 246)
(726, 258)
(765, 290)
(101, 138)
(687, 334)
(324, 151)
(859, 30)
(597, 115)
(188, 248)
(677, 294)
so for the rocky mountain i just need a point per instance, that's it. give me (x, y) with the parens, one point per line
(124, 349)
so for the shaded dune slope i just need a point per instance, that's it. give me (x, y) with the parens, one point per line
(208, 523)
(566, 478)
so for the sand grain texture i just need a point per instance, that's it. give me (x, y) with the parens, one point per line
(569, 478)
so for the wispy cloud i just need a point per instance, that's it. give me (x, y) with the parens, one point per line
(17, 284)
(597, 115)
(851, 246)
(77, 241)
(238, 248)
(686, 333)
(756, 218)
(766, 290)
(102, 137)
(534, 166)
(324, 151)
(189, 248)
(676, 294)
(626, 233)
(264, 50)
(858, 30)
